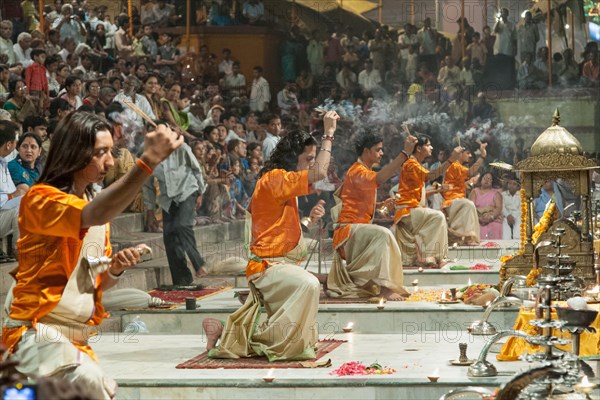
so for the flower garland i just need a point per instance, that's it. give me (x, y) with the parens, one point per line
(541, 227)
(523, 226)
(544, 224)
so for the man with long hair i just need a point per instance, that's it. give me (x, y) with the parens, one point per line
(422, 233)
(289, 293)
(56, 299)
(373, 259)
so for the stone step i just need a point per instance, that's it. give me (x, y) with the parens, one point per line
(208, 238)
(126, 223)
(144, 367)
(396, 317)
(482, 252)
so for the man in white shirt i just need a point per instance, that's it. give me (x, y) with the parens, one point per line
(235, 83)
(287, 101)
(70, 25)
(503, 72)
(22, 49)
(9, 212)
(226, 66)
(6, 45)
(369, 78)
(273, 123)
(511, 210)
(131, 86)
(260, 94)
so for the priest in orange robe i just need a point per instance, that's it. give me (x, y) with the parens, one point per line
(373, 262)
(422, 233)
(289, 294)
(56, 300)
(463, 222)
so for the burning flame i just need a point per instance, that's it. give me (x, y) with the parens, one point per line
(469, 283)
(350, 325)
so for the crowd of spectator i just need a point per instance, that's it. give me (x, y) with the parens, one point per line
(82, 60)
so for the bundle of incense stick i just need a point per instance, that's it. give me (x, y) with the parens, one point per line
(139, 112)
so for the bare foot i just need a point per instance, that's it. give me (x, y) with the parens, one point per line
(212, 329)
(390, 295)
(201, 272)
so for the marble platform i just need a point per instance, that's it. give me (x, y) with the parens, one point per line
(144, 367)
(397, 317)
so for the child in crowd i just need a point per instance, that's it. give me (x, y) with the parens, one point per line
(239, 198)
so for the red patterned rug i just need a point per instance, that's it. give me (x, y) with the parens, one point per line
(179, 296)
(203, 362)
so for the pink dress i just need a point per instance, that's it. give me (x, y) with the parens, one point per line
(493, 230)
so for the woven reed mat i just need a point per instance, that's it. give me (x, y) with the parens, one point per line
(202, 361)
(178, 296)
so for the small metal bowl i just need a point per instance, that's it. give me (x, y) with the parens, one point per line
(583, 318)
(242, 295)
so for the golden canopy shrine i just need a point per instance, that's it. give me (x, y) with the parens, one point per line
(557, 156)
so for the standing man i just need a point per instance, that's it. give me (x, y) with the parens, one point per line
(274, 131)
(503, 72)
(181, 188)
(428, 38)
(260, 93)
(528, 37)
(373, 259)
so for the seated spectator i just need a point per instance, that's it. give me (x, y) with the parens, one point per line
(22, 50)
(69, 25)
(528, 76)
(129, 94)
(568, 71)
(92, 88)
(488, 202)
(252, 175)
(59, 108)
(37, 125)
(235, 83)
(160, 14)
(19, 104)
(482, 109)
(346, 78)
(25, 168)
(220, 13)
(71, 91)
(253, 12)
(4, 80)
(591, 69)
(287, 100)
(9, 212)
(369, 78)
(172, 112)
(239, 197)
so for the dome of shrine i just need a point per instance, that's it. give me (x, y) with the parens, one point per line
(556, 139)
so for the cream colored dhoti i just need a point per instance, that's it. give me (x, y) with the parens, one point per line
(421, 235)
(463, 222)
(291, 300)
(373, 261)
(47, 349)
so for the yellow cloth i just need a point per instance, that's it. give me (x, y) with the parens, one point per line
(515, 347)
(358, 196)
(412, 180)
(456, 175)
(49, 247)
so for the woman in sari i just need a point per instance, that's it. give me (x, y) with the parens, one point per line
(488, 202)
